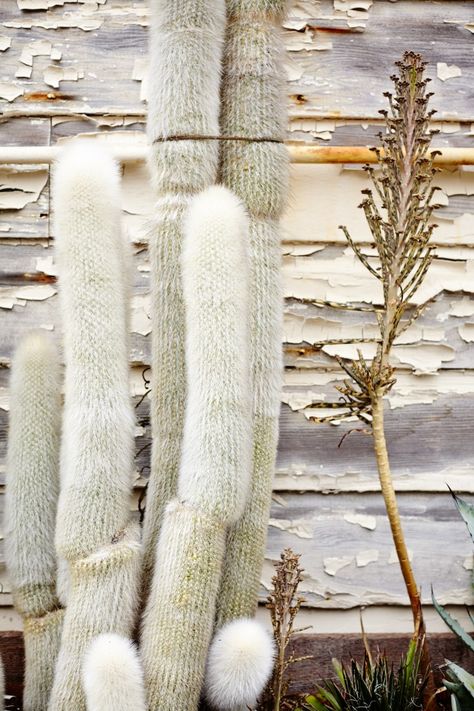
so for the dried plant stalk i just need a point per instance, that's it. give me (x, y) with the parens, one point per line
(398, 211)
(284, 604)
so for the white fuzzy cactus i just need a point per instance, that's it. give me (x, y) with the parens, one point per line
(112, 675)
(32, 474)
(31, 500)
(103, 597)
(42, 638)
(214, 474)
(239, 664)
(257, 171)
(97, 453)
(215, 469)
(186, 42)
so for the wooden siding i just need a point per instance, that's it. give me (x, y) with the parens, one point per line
(70, 68)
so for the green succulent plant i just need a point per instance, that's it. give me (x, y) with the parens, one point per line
(375, 684)
(458, 681)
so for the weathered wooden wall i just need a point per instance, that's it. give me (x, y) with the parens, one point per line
(71, 68)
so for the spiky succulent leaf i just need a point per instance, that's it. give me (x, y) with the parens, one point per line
(466, 679)
(453, 624)
(466, 509)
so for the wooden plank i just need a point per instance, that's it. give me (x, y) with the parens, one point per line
(333, 55)
(347, 552)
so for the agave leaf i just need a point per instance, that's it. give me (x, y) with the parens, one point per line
(466, 679)
(339, 670)
(328, 696)
(314, 703)
(453, 624)
(455, 705)
(466, 509)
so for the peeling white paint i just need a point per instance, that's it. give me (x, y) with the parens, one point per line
(20, 187)
(5, 43)
(301, 529)
(363, 558)
(363, 520)
(10, 91)
(54, 74)
(140, 321)
(333, 565)
(445, 71)
(17, 296)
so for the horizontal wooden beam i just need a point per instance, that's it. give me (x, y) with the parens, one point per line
(299, 153)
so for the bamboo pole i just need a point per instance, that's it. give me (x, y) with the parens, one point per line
(299, 153)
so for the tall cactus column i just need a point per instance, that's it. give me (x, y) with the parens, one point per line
(257, 171)
(215, 466)
(185, 62)
(93, 533)
(31, 499)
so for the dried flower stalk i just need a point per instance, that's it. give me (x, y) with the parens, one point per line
(398, 209)
(284, 604)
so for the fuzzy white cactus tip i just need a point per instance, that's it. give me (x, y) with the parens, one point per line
(112, 675)
(239, 664)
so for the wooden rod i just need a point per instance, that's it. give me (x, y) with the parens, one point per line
(299, 153)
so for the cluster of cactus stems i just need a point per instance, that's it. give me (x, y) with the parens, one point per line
(86, 579)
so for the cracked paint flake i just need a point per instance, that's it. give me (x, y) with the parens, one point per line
(333, 565)
(10, 91)
(468, 563)
(140, 321)
(20, 187)
(46, 265)
(23, 72)
(363, 558)
(54, 74)
(47, 4)
(38, 48)
(5, 43)
(363, 520)
(86, 24)
(466, 331)
(447, 71)
(17, 296)
(298, 528)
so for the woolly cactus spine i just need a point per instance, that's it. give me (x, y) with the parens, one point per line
(97, 456)
(103, 597)
(239, 665)
(185, 48)
(31, 500)
(215, 469)
(252, 106)
(42, 637)
(113, 676)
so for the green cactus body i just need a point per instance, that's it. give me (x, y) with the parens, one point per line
(252, 105)
(185, 48)
(31, 501)
(215, 466)
(42, 638)
(98, 427)
(103, 597)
